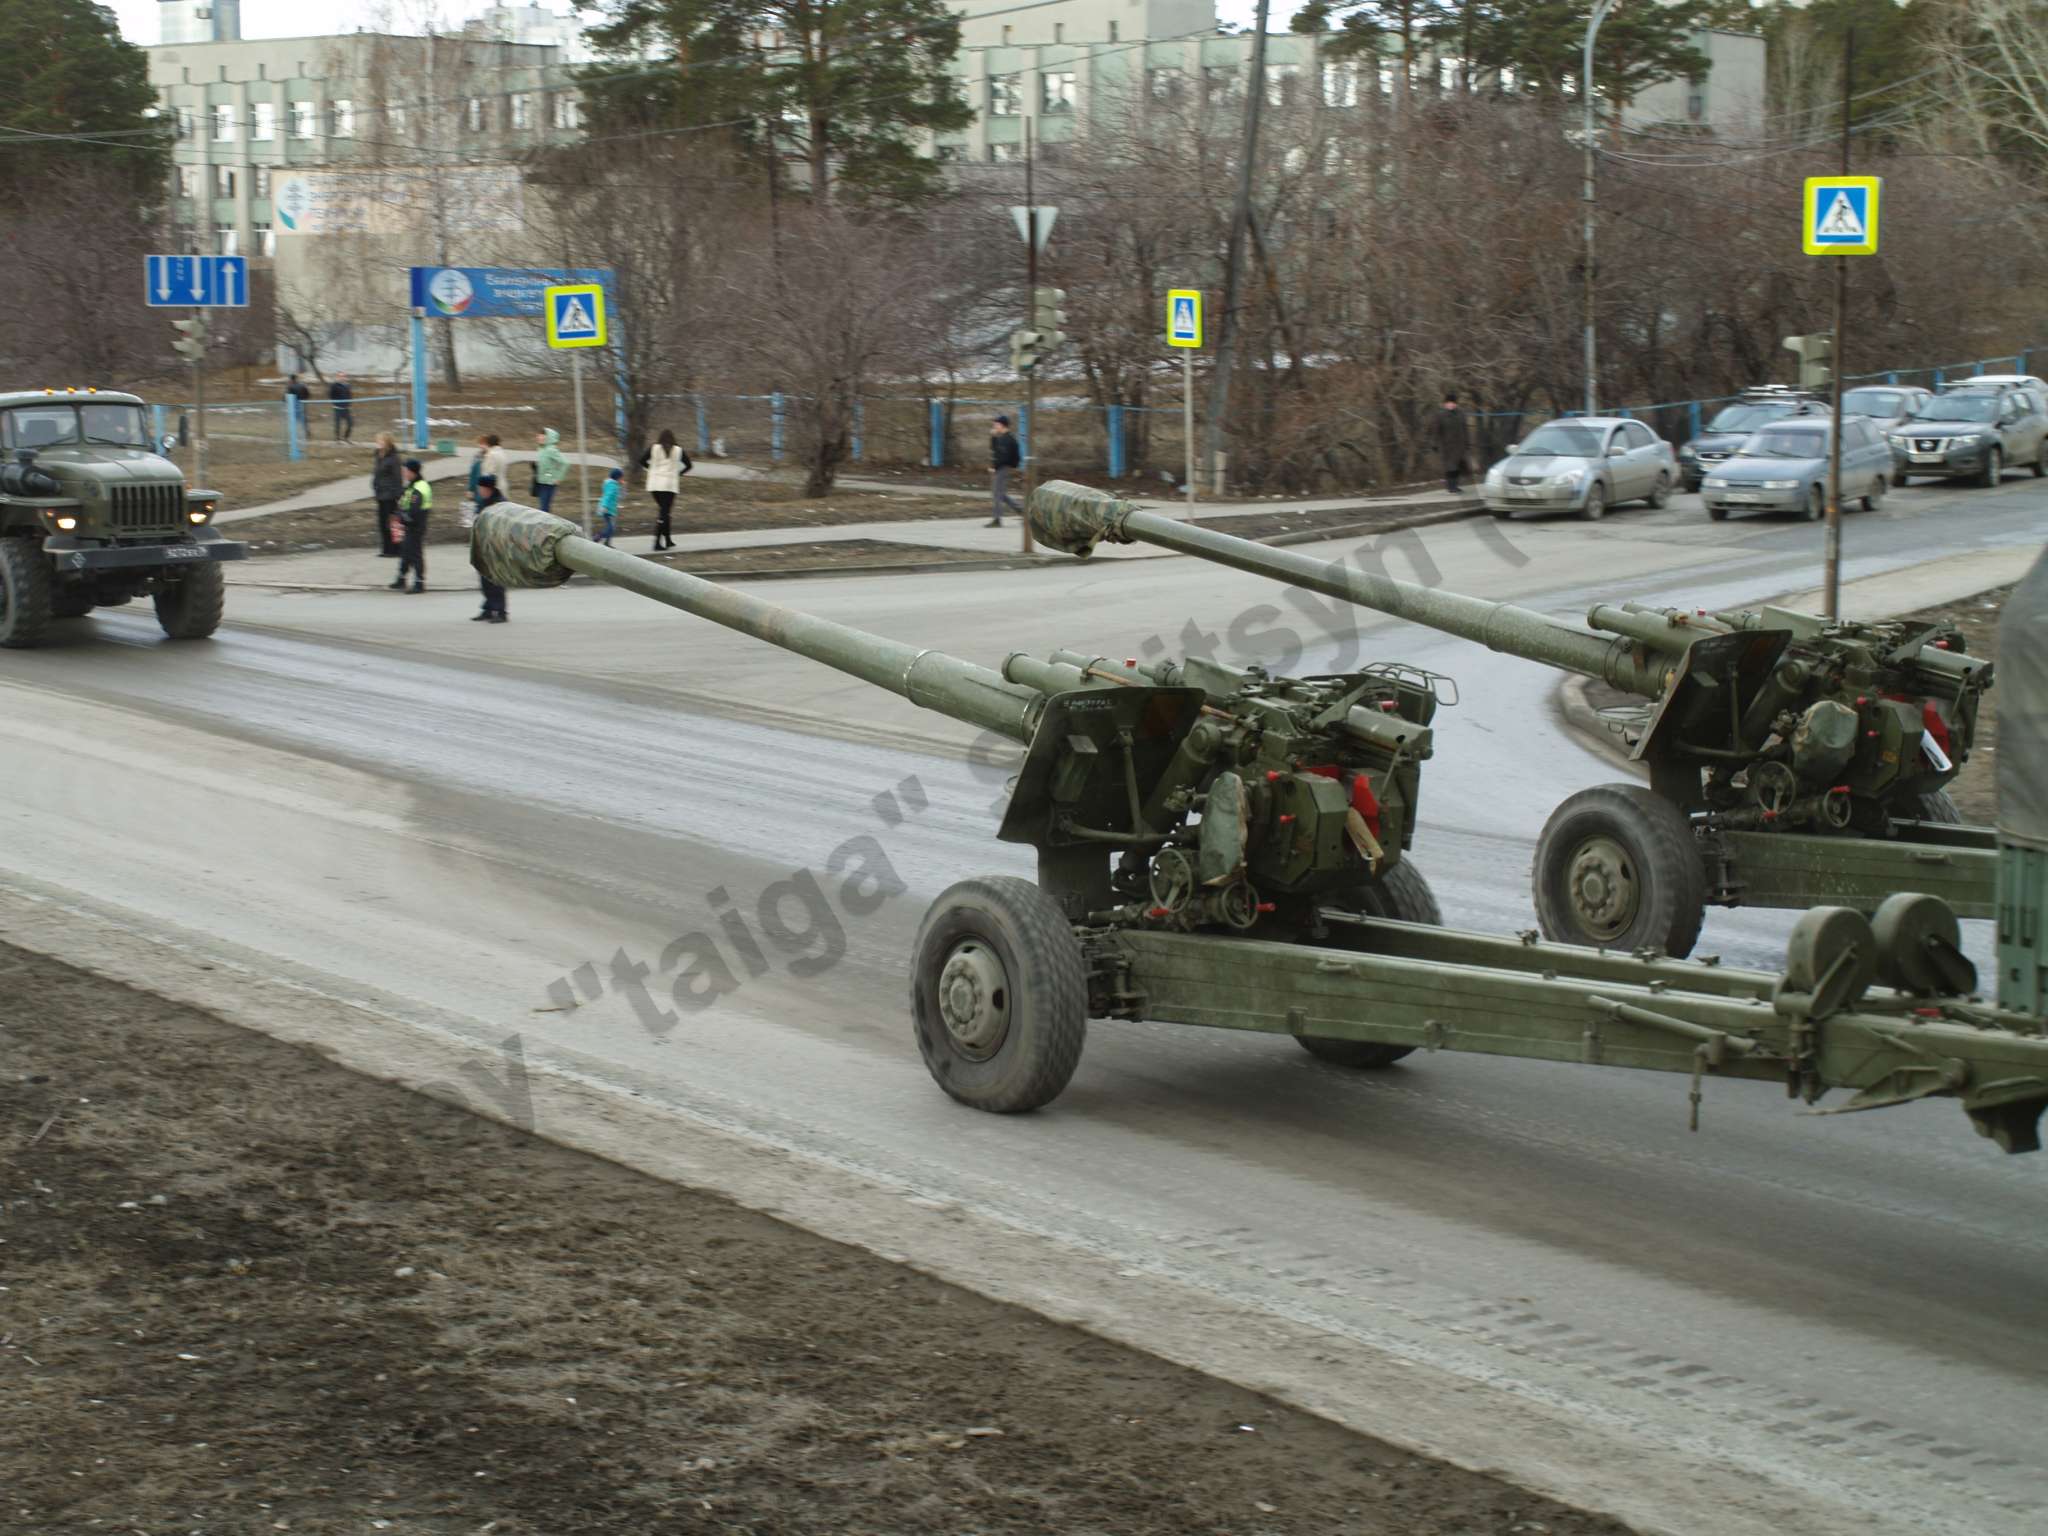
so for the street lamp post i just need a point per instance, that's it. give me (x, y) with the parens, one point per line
(1599, 15)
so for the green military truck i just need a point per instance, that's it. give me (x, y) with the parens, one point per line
(92, 515)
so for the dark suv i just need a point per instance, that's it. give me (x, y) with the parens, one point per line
(1977, 430)
(1732, 425)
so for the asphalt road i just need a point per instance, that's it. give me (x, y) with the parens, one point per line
(438, 823)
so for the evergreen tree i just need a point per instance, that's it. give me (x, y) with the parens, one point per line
(848, 86)
(76, 96)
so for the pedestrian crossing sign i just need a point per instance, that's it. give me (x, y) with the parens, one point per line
(1841, 215)
(1184, 317)
(575, 315)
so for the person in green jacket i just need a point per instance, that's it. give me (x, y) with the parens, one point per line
(549, 465)
(414, 504)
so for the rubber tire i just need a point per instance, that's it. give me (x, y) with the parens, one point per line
(1938, 807)
(1816, 505)
(1994, 469)
(1405, 896)
(28, 581)
(1596, 503)
(1672, 902)
(1660, 498)
(1718, 514)
(191, 608)
(1875, 498)
(2041, 460)
(1042, 961)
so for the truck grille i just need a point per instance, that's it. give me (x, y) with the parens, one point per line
(153, 507)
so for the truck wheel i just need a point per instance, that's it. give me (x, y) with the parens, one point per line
(999, 992)
(25, 585)
(1617, 868)
(190, 608)
(1405, 896)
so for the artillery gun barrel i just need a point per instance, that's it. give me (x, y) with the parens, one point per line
(522, 547)
(1074, 518)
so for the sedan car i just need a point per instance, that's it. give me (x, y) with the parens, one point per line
(1888, 406)
(1975, 429)
(1784, 468)
(1584, 464)
(1731, 427)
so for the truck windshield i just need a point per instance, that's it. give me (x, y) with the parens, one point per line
(53, 425)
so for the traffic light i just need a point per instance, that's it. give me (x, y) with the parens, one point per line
(1816, 359)
(191, 342)
(1025, 350)
(1049, 314)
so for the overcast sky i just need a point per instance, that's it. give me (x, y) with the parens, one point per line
(309, 18)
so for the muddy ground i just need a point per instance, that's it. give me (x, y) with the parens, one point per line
(242, 1290)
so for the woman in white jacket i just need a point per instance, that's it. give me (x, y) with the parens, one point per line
(666, 464)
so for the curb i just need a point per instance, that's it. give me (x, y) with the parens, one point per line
(1399, 525)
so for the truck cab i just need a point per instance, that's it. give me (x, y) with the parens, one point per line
(93, 515)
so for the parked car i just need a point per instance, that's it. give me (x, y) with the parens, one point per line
(1975, 429)
(1731, 426)
(1584, 464)
(1784, 468)
(1888, 406)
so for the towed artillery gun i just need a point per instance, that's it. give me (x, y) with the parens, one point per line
(1232, 849)
(1793, 762)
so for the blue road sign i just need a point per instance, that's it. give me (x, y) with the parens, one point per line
(196, 282)
(1841, 215)
(492, 293)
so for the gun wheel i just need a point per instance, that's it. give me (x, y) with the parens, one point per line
(1405, 896)
(999, 993)
(25, 595)
(1617, 868)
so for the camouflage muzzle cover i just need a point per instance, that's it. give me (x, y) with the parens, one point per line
(1075, 518)
(514, 546)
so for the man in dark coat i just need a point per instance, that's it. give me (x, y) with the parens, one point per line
(1005, 457)
(488, 495)
(1453, 441)
(343, 395)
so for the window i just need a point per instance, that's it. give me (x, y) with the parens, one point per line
(1112, 32)
(1004, 98)
(259, 181)
(1056, 92)
(341, 119)
(188, 122)
(265, 128)
(1282, 80)
(395, 123)
(266, 240)
(567, 113)
(223, 181)
(225, 241)
(302, 119)
(1059, 32)
(1638, 435)
(522, 111)
(223, 124)
(1222, 83)
(1166, 84)
(999, 154)
(1006, 37)
(949, 153)
(188, 181)
(1295, 160)
(474, 114)
(1695, 105)
(1340, 83)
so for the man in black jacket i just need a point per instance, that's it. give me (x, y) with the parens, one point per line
(342, 394)
(1453, 441)
(488, 495)
(1004, 455)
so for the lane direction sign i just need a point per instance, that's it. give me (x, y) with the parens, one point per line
(196, 282)
(575, 316)
(1841, 215)
(1184, 317)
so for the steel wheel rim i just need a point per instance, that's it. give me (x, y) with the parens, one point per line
(1601, 882)
(974, 999)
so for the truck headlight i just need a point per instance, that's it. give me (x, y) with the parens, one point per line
(66, 522)
(199, 511)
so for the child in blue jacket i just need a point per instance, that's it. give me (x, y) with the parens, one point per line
(608, 505)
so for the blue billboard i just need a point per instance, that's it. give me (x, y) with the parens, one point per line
(493, 293)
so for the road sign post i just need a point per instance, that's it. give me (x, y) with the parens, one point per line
(576, 320)
(1839, 219)
(1184, 330)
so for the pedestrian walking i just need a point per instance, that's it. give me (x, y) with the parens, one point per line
(666, 464)
(295, 397)
(387, 484)
(549, 465)
(1004, 455)
(413, 507)
(1453, 440)
(493, 612)
(608, 505)
(495, 462)
(341, 395)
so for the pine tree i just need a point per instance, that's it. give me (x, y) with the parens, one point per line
(76, 98)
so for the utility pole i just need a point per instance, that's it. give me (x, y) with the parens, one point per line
(1233, 271)
(1031, 300)
(1586, 128)
(1832, 584)
(191, 344)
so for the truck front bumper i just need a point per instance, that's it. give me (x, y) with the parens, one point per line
(84, 557)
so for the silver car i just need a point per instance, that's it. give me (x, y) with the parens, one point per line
(1584, 464)
(1784, 468)
(1891, 406)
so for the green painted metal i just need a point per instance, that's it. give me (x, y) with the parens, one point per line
(1787, 869)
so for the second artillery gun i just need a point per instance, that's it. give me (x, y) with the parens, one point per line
(1231, 849)
(1793, 761)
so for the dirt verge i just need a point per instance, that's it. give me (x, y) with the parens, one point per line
(246, 1291)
